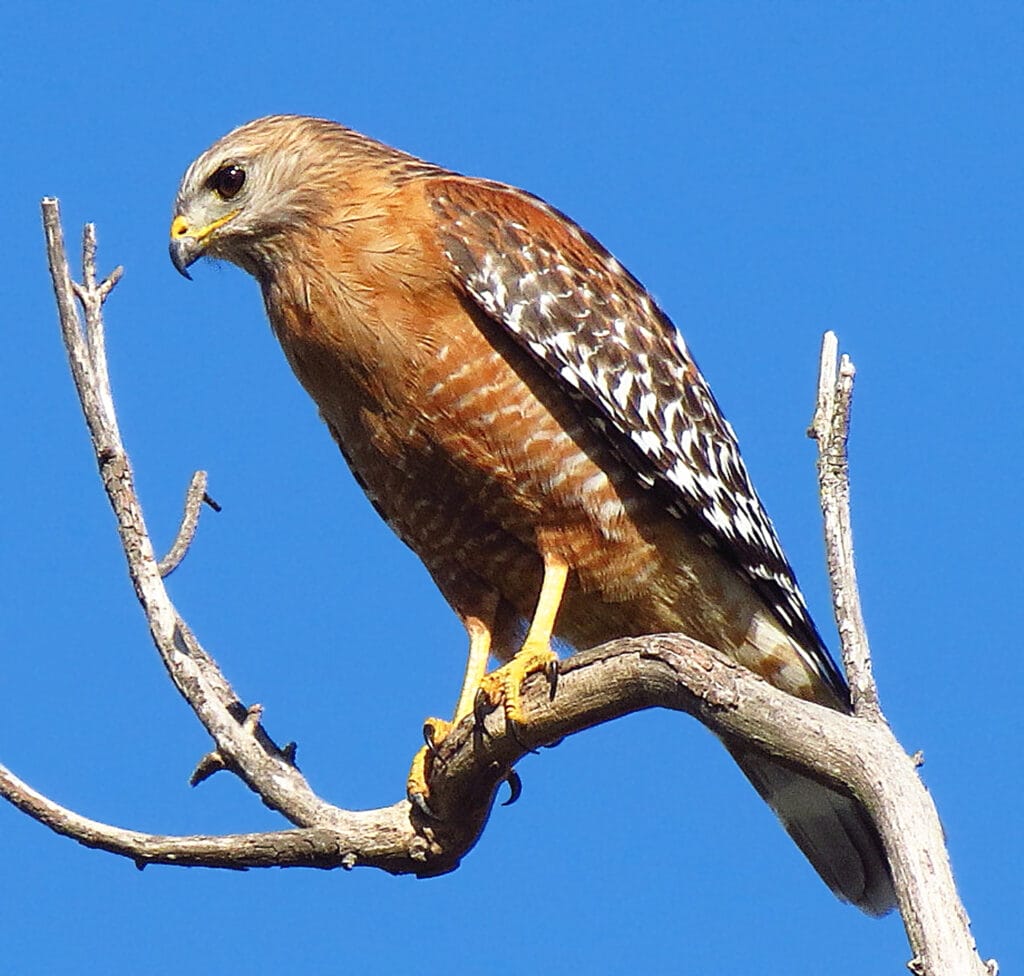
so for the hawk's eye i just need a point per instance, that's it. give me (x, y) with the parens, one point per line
(227, 181)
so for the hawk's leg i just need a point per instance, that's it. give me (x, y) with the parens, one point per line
(476, 664)
(504, 685)
(435, 729)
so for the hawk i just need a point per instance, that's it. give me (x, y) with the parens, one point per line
(524, 416)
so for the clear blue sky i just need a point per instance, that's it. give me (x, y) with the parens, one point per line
(769, 171)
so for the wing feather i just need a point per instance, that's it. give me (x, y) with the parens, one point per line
(591, 323)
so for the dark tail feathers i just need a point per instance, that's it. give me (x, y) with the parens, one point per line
(830, 828)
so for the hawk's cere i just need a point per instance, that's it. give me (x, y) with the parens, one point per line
(523, 415)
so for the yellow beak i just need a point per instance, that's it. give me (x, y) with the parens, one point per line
(188, 245)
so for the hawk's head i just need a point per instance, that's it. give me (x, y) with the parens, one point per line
(240, 199)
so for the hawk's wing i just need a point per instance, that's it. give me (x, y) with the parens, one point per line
(583, 316)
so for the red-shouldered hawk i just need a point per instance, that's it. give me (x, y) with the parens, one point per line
(523, 415)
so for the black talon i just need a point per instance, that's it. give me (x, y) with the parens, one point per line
(551, 673)
(513, 727)
(481, 707)
(428, 738)
(515, 787)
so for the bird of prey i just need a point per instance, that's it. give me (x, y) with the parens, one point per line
(525, 417)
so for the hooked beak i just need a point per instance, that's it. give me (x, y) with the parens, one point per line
(184, 248)
(188, 245)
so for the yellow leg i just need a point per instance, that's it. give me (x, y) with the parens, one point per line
(476, 664)
(505, 684)
(435, 729)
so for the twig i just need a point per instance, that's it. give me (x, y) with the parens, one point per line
(830, 428)
(92, 296)
(194, 499)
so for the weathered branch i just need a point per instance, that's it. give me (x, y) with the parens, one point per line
(857, 753)
(937, 925)
(194, 499)
(831, 428)
(668, 671)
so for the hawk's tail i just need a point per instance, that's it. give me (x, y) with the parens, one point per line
(832, 830)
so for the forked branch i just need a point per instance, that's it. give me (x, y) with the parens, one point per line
(857, 753)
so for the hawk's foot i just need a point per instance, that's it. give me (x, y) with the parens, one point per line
(504, 685)
(416, 788)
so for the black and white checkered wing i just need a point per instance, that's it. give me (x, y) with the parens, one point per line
(581, 314)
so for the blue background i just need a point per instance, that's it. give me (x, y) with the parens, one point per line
(769, 171)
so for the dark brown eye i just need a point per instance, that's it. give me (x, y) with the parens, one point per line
(227, 181)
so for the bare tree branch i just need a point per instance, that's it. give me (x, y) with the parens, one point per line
(252, 755)
(831, 429)
(937, 925)
(857, 753)
(194, 498)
